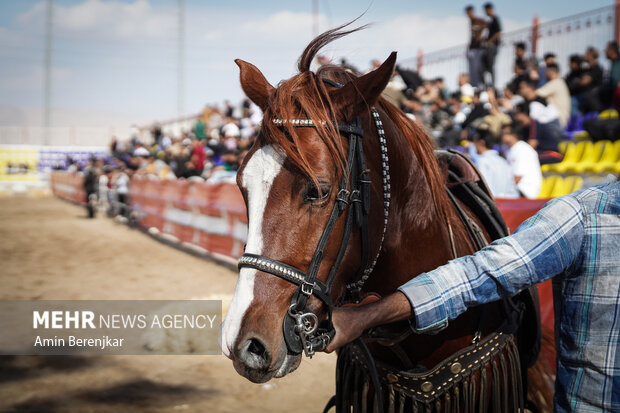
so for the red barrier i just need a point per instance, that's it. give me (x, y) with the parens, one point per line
(68, 186)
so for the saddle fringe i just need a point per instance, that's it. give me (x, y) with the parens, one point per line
(494, 385)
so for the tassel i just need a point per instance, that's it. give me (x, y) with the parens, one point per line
(357, 373)
(518, 373)
(429, 408)
(513, 380)
(438, 406)
(457, 400)
(365, 395)
(466, 396)
(495, 388)
(482, 407)
(505, 388)
(472, 394)
(446, 402)
(391, 399)
(414, 405)
(401, 402)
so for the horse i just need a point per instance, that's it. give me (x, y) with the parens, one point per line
(345, 197)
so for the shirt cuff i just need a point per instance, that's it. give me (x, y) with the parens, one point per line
(430, 315)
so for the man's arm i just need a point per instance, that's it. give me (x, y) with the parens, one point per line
(544, 246)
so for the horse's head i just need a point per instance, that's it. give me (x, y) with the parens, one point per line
(290, 181)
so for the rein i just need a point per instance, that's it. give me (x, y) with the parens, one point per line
(301, 326)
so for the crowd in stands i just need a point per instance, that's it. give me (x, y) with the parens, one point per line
(508, 131)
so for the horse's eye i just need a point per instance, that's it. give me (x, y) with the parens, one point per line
(313, 195)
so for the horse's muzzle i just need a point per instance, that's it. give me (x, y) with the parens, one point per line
(253, 361)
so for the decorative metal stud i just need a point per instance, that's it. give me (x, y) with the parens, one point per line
(426, 386)
(456, 368)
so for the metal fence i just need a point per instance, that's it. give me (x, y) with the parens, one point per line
(563, 37)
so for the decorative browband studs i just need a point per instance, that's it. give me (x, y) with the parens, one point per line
(271, 267)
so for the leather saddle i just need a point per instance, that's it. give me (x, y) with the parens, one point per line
(465, 184)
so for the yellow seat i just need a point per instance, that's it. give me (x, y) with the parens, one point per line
(582, 135)
(610, 160)
(547, 186)
(608, 114)
(574, 152)
(592, 154)
(566, 185)
(577, 183)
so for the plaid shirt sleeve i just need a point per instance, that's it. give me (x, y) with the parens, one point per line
(542, 247)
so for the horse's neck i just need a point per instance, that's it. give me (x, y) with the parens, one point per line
(417, 237)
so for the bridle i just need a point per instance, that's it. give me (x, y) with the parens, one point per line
(301, 326)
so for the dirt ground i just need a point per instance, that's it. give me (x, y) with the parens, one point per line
(50, 251)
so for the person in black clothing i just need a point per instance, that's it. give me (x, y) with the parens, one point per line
(411, 78)
(477, 112)
(492, 42)
(91, 182)
(475, 52)
(520, 74)
(590, 83)
(520, 49)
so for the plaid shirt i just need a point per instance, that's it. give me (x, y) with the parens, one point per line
(578, 234)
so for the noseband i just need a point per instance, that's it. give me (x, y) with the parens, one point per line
(301, 326)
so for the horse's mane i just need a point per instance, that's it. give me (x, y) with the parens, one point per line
(306, 95)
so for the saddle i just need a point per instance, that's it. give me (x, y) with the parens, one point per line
(466, 185)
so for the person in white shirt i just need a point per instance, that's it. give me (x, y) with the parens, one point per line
(523, 161)
(495, 169)
(556, 92)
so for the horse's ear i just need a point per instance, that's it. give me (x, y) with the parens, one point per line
(364, 91)
(254, 84)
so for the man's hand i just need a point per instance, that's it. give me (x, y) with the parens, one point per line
(351, 322)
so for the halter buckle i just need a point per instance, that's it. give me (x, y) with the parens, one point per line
(343, 196)
(307, 288)
(355, 196)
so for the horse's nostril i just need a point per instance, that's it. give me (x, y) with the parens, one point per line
(257, 348)
(254, 354)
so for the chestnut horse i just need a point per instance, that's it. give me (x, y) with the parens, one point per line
(290, 182)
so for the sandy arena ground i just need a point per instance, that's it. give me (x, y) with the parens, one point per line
(50, 251)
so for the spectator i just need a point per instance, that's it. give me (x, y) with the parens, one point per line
(465, 88)
(523, 161)
(556, 92)
(441, 88)
(478, 111)
(199, 130)
(492, 42)
(612, 85)
(573, 78)
(475, 52)
(520, 74)
(520, 53)
(590, 82)
(549, 58)
(199, 156)
(429, 92)
(539, 109)
(494, 168)
(543, 137)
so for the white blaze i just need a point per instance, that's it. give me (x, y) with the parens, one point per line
(258, 176)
